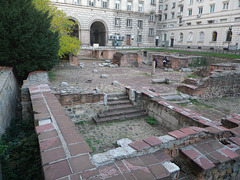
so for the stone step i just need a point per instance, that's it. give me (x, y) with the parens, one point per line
(117, 102)
(191, 81)
(117, 94)
(118, 113)
(120, 107)
(124, 97)
(120, 117)
(181, 102)
(188, 89)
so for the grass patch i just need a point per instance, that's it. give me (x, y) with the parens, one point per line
(147, 75)
(183, 104)
(192, 76)
(151, 120)
(197, 103)
(51, 76)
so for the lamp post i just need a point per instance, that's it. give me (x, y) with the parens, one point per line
(229, 36)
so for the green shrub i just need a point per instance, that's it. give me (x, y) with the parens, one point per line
(151, 121)
(19, 152)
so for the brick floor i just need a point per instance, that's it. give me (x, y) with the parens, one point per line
(90, 173)
(177, 134)
(143, 174)
(159, 171)
(73, 138)
(139, 145)
(129, 176)
(44, 128)
(121, 166)
(81, 163)
(133, 163)
(109, 170)
(204, 163)
(52, 155)
(48, 134)
(49, 144)
(80, 148)
(152, 141)
(162, 156)
(148, 159)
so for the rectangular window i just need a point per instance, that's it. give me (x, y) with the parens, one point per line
(239, 3)
(140, 7)
(200, 10)
(190, 12)
(225, 5)
(173, 5)
(140, 24)
(139, 38)
(105, 4)
(129, 6)
(180, 20)
(117, 21)
(201, 0)
(165, 16)
(190, 1)
(91, 2)
(117, 4)
(153, 2)
(173, 15)
(166, 7)
(212, 7)
(159, 17)
(151, 18)
(161, 7)
(151, 32)
(76, 1)
(129, 23)
(181, 9)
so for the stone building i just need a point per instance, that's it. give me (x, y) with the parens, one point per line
(209, 24)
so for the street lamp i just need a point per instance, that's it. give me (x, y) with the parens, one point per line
(229, 36)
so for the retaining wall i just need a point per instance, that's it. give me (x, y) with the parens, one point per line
(9, 97)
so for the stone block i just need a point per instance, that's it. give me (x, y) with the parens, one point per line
(124, 142)
(118, 153)
(102, 159)
(173, 170)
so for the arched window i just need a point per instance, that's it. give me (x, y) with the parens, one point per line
(214, 36)
(229, 36)
(181, 37)
(201, 36)
(190, 36)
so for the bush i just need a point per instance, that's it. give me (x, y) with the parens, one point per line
(151, 121)
(19, 152)
(27, 42)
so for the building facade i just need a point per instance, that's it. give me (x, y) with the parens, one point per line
(210, 24)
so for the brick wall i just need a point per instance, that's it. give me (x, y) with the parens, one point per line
(127, 59)
(9, 94)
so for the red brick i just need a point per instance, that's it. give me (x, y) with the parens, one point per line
(43, 128)
(90, 173)
(80, 148)
(219, 157)
(73, 138)
(81, 163)
(143, 174)
(177, 134)
(42, 116)
(235, 140)
(159, 171)
(191, 153)
(152, 141)
(207, 147)
(49, 144)
(233, 120)
(236, 131)
(121, 166)
(148, 159)
(129, 176)
(204, 163)
(139, 145)
(118, 177)
(214, 130)
(66, 131)
(199, 129)
(56, 170)
(162, 156)
(229, 153)
(47, 134)
(188, 131)
(133, 163)
(109, 170)
(74, 177)
(52, 155)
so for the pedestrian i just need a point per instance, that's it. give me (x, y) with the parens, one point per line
(165, 61)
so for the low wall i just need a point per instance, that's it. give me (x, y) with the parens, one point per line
(127, 59)
(9, 97)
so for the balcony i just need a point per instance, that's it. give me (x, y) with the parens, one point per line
(179, 14)
(180, 3)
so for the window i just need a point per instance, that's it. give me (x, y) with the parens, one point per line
(181, 37)
(166, 7)
(139, 38)
(129, 23)
(201, 0)
(165, 37)
(239, 3)
(190, 1)
(210, 21)
(159, 17)
(140, 24)
(151, 17)
(180, 20)
(190, 12)
(117, 4)
(173, 5)
(91, 2)
(214, 36)
(173, 15)
(225, 5)
(189, 24)
(153, 1)
(151, 32)
(190, 36)
(140, 7)
(181, 9)
(105, 4)
(76, 1)
(129, 6)
(200, 10)
(201, 36)
(165, 16)
(212, 7)
(117, 21)
(229, 36)
(161, 7)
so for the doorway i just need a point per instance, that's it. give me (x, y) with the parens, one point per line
(98, 34)
(172, 42)
(128, 40)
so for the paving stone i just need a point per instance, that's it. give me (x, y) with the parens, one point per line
(49, 144)
(229, 153)
(81, 163)
(148, 159)
(219, 157)
(80, 148)
(212, 159)
(188, 131)
(66, 131)
(108, 170)
(199, 129)
(121, 166)
(43, 128)
(204, 163)
(159, 171)
(177, 134)
(47, 134)
(119, 177)
(133, 163)
(152, 141)
(63, 121)
(206, 147)
(75, 177)
(90, 173)
(52, 155)
(215, 144)
(143, 174)
(73, 138)
(236, 131)
(162, 156)
(129, 176)
(139, 145)
(235, 140)
(57, 170)
(42, 116)
(191, 153)
(102, 158)
(214, 130)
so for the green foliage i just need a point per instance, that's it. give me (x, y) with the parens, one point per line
(151, 121)
(51, 76)
(19, 152)
(197, 103)
(60, 23)
(198, 62)
(27, 43)
(192, 76)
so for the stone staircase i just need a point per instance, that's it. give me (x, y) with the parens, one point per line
(120, 108)
(189, 86)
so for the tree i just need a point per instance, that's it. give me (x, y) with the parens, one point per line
(60, 23)
(26, 40)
